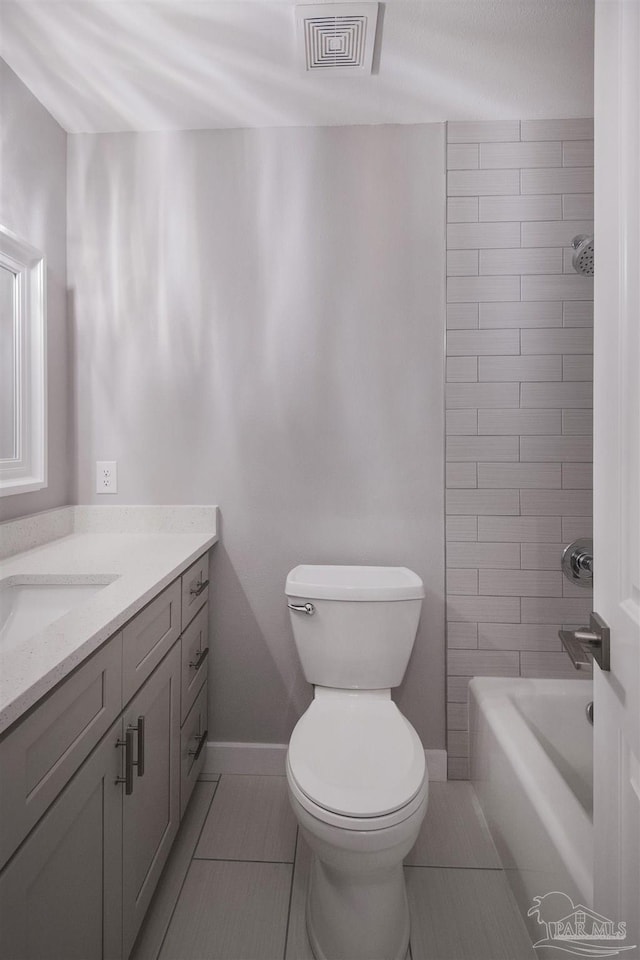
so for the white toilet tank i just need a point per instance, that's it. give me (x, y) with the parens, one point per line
(355, 626)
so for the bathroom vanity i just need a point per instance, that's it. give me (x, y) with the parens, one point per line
(97, 771)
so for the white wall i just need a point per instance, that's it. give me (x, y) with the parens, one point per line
(33, 151)
(259, 323)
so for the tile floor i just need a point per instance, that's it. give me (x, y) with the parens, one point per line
(234, 885)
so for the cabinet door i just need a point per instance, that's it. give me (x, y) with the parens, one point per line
(43, 751)
(151, 813)
(60, 893)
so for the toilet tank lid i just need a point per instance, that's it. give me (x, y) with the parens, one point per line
(326, 582)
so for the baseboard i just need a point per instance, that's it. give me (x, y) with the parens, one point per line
(436, 764)
(268, 759)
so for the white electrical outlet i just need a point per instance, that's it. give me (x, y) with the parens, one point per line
(106, 476)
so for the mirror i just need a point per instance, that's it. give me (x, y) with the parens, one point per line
(22, 366)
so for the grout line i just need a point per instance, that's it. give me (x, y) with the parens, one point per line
(234, 774)
(241, 860)
(437, 866)
(293, 875)
(195, 847)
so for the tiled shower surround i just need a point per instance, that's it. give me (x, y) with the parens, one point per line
(519, 399)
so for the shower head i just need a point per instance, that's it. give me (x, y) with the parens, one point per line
(583, 255)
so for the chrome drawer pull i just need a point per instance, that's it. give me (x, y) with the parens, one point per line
(127, 743)
(202, 656)
(302, 608)
(198, 750)
(198, 589)
(139, 763)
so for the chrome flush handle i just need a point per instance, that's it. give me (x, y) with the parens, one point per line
(307, 608)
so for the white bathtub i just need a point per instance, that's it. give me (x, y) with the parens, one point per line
(532, 767)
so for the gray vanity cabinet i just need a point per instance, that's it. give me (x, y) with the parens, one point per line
(151, 813)
(90, 867)
(88, 816)
(59, 894)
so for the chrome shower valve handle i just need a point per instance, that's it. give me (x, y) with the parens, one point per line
(577, 562)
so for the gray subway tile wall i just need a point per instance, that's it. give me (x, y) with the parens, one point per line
(519, 398)
(519, 314)
(473, 131)
(581, 129)
(574, 527)
(576, 205)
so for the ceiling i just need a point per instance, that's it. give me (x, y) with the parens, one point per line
(115, 65)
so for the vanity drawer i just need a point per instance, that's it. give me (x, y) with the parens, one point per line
(147, 638)
(193, 743)
(195, 588)
(45, 749)
(195, 659)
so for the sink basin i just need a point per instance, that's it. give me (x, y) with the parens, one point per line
(27, 608)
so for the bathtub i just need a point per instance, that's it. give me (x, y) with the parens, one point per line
(532, 767)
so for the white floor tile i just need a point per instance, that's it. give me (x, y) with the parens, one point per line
(147, 946)
(226, 909)
(250, 819)
(464, 915)
(230, 910)
(454, 832)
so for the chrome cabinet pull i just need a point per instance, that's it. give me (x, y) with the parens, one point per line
(139, 763)
(307, 608)
(201, 657)
(199, 587)
(198, 750)
(127, 743)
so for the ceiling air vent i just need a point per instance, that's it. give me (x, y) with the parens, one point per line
(337, 38)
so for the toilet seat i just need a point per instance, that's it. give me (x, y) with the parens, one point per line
(357, 824)
(353, 759)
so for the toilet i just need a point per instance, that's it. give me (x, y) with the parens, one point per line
(356, 771)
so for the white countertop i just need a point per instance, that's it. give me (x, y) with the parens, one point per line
(142, 562)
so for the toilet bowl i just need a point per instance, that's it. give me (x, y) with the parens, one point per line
(356, 771)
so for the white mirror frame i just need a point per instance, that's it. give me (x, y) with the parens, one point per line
(27, 471)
